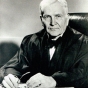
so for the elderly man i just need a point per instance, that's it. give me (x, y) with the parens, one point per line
(55, 56)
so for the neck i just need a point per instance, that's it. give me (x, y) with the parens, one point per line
(54, 37)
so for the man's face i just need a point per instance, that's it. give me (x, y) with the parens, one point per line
(55, 19)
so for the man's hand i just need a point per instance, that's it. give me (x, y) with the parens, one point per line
(41, 81)
(10, 81)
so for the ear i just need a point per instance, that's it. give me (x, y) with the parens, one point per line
(41, 20)
(67, 19)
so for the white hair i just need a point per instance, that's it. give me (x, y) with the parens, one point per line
(45, 3)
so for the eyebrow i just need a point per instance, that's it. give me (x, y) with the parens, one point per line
(54, 15)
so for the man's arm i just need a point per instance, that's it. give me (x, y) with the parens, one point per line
(77, 75)
(18, 64)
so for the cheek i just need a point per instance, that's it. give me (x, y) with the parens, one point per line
(66, 21)
(46, 24)
(63, 24)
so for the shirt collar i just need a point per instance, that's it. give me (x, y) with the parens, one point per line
(54, 39)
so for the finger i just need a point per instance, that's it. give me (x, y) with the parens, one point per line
(33, 83)
(36, 84)
(33, 78)
(14, 80)
(43, 86)
(5, 84)
(8, 81)
(30, 81)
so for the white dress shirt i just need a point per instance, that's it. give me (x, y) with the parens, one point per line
(51, 52)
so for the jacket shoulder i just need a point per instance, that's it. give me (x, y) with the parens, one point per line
(33, 37)
(79, 35)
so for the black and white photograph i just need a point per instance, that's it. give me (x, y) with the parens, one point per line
(43, 43)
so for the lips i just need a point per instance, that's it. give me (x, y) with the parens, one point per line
(53, 28)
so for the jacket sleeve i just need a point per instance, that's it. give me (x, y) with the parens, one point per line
(19, 63)
(77, 76)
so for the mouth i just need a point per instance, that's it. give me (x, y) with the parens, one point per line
(53, 28)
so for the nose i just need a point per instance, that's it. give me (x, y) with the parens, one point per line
(52, 21)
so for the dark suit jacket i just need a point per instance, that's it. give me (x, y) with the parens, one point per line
(69, 64)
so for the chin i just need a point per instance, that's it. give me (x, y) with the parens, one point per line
(54, 34)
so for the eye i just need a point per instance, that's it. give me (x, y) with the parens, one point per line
(46, 17)
(58, 16)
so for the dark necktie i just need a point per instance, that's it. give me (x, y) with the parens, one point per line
(51, 43)
(47, 44)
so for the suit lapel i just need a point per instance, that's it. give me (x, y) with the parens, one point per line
(67, 40)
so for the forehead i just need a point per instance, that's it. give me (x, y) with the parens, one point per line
(54, 8)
